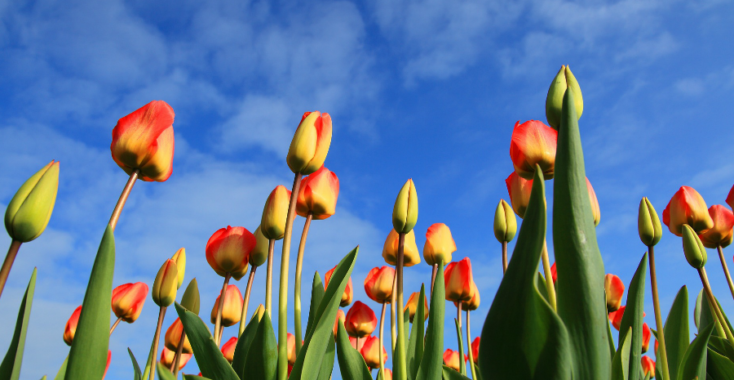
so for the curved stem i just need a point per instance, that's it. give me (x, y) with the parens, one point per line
(462, 364)
(179, 351)
(400, 351)
(381, 373)
(123, 198)
(469, 346)
(8, 263)
(114, 325)
(504, 259)
(434, 270)
(243, 320)
(269, 279)
(662, 355)
(726, 269)
(715, 306)
(393, 302)
(161, 314)
(297, 292)
(220, 308)
(548, 276)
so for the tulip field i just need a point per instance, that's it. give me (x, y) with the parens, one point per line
(561, 317)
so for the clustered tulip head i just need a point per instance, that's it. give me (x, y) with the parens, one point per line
(275, 213)
(228, 251)
(505, 224)
(378, 284)
(458, 280)
(412, 306)
(473, 303)
(70, 328)
(614, 288)
(360, 320)
(687, 207)
(173, 337)
(722, 232)
(228, 349)
(405, 211)
(168, 355)
(371, 352)
(348, 294)
(318, 194)
(128, 301)
(648, 224)
(519, 190)
(533, 143)
(232, 309)
(439, 244)
(28, 213)
(411, 255)
(310, 143)
(166, 284)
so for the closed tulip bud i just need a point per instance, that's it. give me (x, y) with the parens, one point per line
(180, 259)
(505, 224)
(730, 198)
(228, 251)
(348, 294)
(128, 301)
(554, 101)
(645, 337)
(452, 359)
(411, 256)
(339, 319)
(519, 189)
(475, 348)
(439, 244)
(473, 303)
(275, 213)
(318, 194)
(28, 213)
(228, 349)
(458, 279)
(405, 211)
(143, 140)
(173, 336)
(259, 312)
(614, 288)
(165, 285)
(360, 320)
(687, 207)
(648, 224)
(310, 143)
(594, 203)
(291, 342)
(259, 254)
(693, 248)
(616, 317)
(70, 329)
(168, 355)
(232, 309)
(648, 367)
(371, 352)
(412, 306)
(533, 143)
(721, 233)
(378, 284)
(191, 300)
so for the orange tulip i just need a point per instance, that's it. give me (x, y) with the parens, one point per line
(616, 317)
(228, 349)
(275, 213)
(533, 143)
(348, 294)
(687, 207)
(519, 189)
(475, 348)
(614, 288)
(371, 352)
(388, 373)
(168, 355)
(473, 303)
(648, 366)
(232, 310)
(721, 233)
(554, 274)
(70, 328)
(291, 342)
(410, 249)
(339, 318)
(143, 140)
(412, 306)
(228, 251)
(360, 320)
(594, 203)
(645, 337)
(459, 280)
(318, 194)
(310, 144)
(452, 359)
(173, 336)
(128, 301)
(439, 244)
(730, 198)
(378, 284)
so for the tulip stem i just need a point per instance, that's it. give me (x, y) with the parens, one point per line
(269, 279)
(462, 364)
(504, 257)
(718, 315)
(179, 351)
(243, 321)
(283, 295)
(123, 198)
(433, 276)
(662, 355)
(220, 308)
(726, 269)
(8, 263)
(157, 337)
(297, 291)
(381, 373)
(399, 362)
(393, 302)
(548, 276)
(469, 343)
(114, 325)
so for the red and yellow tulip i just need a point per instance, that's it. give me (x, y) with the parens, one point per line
(168, 355)
(687, 207)
(412, 305)
(348, 294)
(173, 336)
(648, 366)
(533, 143)
(410, 249)
(228, 251)
(310, 144)
(458, 279)
(275, 213)
(371, 352)
(360, 320)
(614, 288)
(70, 328)
(452, 359)
(232, 309)
(128, 300)
(378, 284)
(722, 232)
(228, 349)
(519, 189)
(439, 244)
(318, 194)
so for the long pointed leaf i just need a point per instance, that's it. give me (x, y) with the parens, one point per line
(620, 362)
(10, 367)
(164, 373)
(633, 318)
(460, 340)
(327, 366)
(262, 358)
(719, 366)
(351, 363)
(694, 361)
(137, 375)
(451, 374)
(317, 294)
(431, 367)
(243, 347)
(676, 331)
(61, 375)
(415, 343)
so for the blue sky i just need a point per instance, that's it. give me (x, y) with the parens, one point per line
(420, 89)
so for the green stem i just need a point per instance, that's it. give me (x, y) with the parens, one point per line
(179, 352)
(114, 325)
(434, 271)
(662, 356)
(8, 263)
(462, 364)
(269, 279)
(297, 291)
(381, 373)
(400, 372)
(504, 257)
(393, 302)
(726, 269)
(469, 343)
(123, 198)
(157, 337)
(222, 296)
(243, 320)
(715, 306)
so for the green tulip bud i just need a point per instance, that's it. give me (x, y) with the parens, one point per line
(259, 254)
(190, 300)
(30, 209)
(693, 248)
(180, 259)
(165, 285)
(405, 212)
(648, 224)
(259, 312)
(554, 101)
(505, 224)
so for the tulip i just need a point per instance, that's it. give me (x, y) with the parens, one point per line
(232, 310)
(71, 324)
(318, 194)
(693, 249)
(173, 337)
(339, 318)
(228, 251)
(452, 359)
(143, 141)
(190, 299)
(410, 249)
(378, 284)
(228, 349)
(614, 288)
(687, 207)
(439, 244)
(168, 355)
(721, 233)
(371, 352)
(730, 198)
(554, 274)
(275, 213)
(554, 101)
(387, 374)
(533, 143)
(259, 254)
(616, 317)
(475, 348)
(310, 143)
(165, 285)
(258, 313)
(405, 211)
(648, 223)
(360, 320)
(519, 189)
(28, 213)
(648, 366)
(645, 337)
(348, 294)
(505, 224)
(594, 203)
(412, 306)
(357, 345)
(458, 279)
(291, 342)
(128, 301)
(180, 259)
(473, 303)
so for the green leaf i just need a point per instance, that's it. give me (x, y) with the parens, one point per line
(719, 366)
(310, 358)
(327, 366)
(540, 284)
(208, 356)
(676, 331)
(262, 358)
(721, 346)
(414, 355)
(620, 362)
(460, 340)
(164, 373)
(88, 354)
(351, 363)
(522, 337)
(317, 294)
(612, 350)
(632, 317)
(580, 298)
(243, 347)
(694, 360)
(10, 367)
(431, 364)
(194, 377)
(451, 374)
(62, 371)
(137, 374)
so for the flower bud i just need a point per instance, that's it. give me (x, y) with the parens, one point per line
(614, 288)
(291, 342)
(228, 349)
(439, 244)
(533, 143)
(28, 213)
(693, 248)
(228, 251)
(378, 284)
(452, 359)
(70, 329)
(687, 207)
(173, 336)
(405, 211)
(348, 294)
(473, 303)
(180, 259)
(128, 301)
(645, 337)
(458, 279)
(339, 318)
(594, 203)
(259, 254)
(648, 223)
(258, 313)
(505, 224)
(410, 249)
(412, 306)
(721, 233)
(275, 213)
(554, 101)
(475, 348)
(165, 285)
(232, 309)
(143, 140)
(360, 320)
(310, 143)
(519, 189)
(191, 300)
(648, 367)
(371, 352)
(318, 194)
(167, 357)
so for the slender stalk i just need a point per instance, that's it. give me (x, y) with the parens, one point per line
(269, 279)
(381, 373)
(504, 260)
(400, 352)
(157, 337)
(220, 308)
(356, 342)
(726, 269)
(462, 364)
(548, 276)
(179, 351)
(662, 355)
(718, 315)
(469, 343)
(243, 320)
(8, 263)
(297, 292)
(283, 295)
(123, 198)
(434, 270)
(114, 325)
(393, 302)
